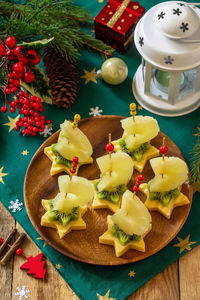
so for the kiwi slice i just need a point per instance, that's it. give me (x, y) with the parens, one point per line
(138, 155)
(65, 219)
(59, 158)
(96, 185)
(123, 238)
(114, 197)
(165, 199)
(52, 215)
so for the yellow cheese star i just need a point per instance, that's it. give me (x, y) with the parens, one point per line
(131, 273)
(108, 239)
(12, 123)
(90, 76)
(2, 175)
(184, 244)
(63, 230)
(103, 203)
(58, 168)
(157, 205)
(25, 152)
(105, 297)
(139, 165)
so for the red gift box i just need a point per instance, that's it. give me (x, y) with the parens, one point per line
(115, 23)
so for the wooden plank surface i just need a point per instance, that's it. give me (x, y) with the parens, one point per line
(180, 281)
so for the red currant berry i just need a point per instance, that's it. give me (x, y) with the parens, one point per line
(17, 75)
(31, 104)
(36, 115)
(36, 106)
(75, 159)
(33, 98)
(26, 101)
(12, 56)
(41, 129)
(21, 111)
(17, 128)
(24, 131)
(21, 93)
(16, 82)
(40, 110)
(25, 112)
(31, 112)
(8, 52)
(4, 109)
(42, 126)
(135, 188)
(42, 122)
(23, 59)
(109, 147)
(11, 42)
(20, 124)
(72, 171)
(33, 57)
(31, 122)
(163, 149)
(140, 177)
(18, 51)
(38, 124)
(38, 100)
(14, 103)
(25, 119)
(33, 133)
(74, 165)
(26, 124)
(8, 91)
(2, 50)
(11, 80)
(29, 77)
(14, 89)
(25, 106)
(18, 67)
(42, 117)
(30, 128)
(48, 121)
(26, 95)
(1, 241)
(35, 129)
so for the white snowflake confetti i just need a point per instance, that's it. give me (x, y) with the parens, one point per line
(47, 131)
(22, 292)
(15, 205)
(95, 111)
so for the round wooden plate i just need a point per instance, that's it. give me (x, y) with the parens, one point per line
(83, 245)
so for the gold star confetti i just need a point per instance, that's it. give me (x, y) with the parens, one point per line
(131, 273)
(89, 76)
(58, 266)
(184, 244)
(106, 297)
(45, 243)
(2, 174)
(100, 1)
(25, 152)
(139, 107)
(12, 123)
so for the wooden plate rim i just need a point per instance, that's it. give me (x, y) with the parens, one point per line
(92, 261)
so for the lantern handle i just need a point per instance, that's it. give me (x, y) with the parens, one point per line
(190, 41)
(194, 3)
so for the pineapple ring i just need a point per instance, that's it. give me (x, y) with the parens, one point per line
(139, 165)
(108, 239)
(58, 168)
(62, 231)
(166, 211)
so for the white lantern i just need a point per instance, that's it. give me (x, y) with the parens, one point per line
(168, 39)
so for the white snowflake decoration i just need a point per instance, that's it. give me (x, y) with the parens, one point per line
(22, 292)
(95, 111)
(47, 131)
(15, 205)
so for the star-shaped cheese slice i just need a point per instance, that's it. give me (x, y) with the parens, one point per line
(103, 203)
(184, 244)
(58, 168)
(157, 205)
(63, 230)
(139, 165)
(108, 239)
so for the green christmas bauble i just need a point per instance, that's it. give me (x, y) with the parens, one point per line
(114, 71)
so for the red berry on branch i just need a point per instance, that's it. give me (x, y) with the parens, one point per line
(163, 149)
(33, 98)
(109, 147)
(48, 121)
(33, 133)
(21, 93)
(18, 68)
(135, 189)
(4, 109)
(11, 42)
(31, 122)
(31, 112)
(17, 128)
(25, 112)
(38, 100)
(16, 82)
(19, 252)
(2, 50)
(14, 89)
(38, 124)
(1, 241)
(17, 75)
(42, 126)
(35, 129)
(26, 124)
(41, 129)
(8, 91)
(18, 51)
(29, 77)
(23, 59)
(12, 56)
(42, 117)
(36, 106)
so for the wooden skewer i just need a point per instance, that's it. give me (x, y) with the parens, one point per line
(163, 155)
(109, 140)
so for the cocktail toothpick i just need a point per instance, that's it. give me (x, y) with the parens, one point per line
(140, 178)
(163, 149)
(133, 110)
(109, 148)
(77, 118)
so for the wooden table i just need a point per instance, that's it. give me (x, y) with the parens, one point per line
(180, 281)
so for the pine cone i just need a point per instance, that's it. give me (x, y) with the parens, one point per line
(63, 78)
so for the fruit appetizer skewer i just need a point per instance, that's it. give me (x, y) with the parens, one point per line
(129, 225)
(163, 191)
(71, 142)
(65, 211)
(138, 132)
(116, 171)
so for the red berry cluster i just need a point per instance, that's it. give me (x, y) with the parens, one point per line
(109, 147)
(140, 178)
(30, 107)
(75, 162)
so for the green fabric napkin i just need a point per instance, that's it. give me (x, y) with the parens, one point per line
(87, 280)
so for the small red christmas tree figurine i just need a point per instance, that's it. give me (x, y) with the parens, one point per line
(35, 265)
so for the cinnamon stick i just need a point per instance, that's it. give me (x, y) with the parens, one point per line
(7, 240)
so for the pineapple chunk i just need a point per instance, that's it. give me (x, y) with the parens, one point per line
(76, 192)
(140, 131)
(73, 143)
(121, 166)
(174, 171)
(133, 217)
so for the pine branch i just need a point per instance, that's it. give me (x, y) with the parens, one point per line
(195, 161)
